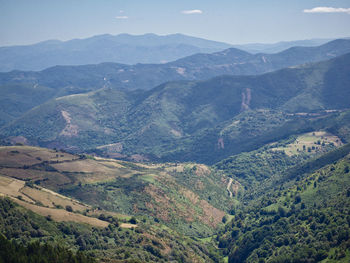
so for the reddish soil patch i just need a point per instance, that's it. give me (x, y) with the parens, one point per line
(202, 170)
(62, 215)
(211, 216)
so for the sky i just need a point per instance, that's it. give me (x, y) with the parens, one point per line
(233, 21)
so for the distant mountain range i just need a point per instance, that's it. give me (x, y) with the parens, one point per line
(124, 48)
(191, 120)
(280, 46)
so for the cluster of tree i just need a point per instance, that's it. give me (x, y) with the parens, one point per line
(142, 244)
(13, 252)
(253, 167)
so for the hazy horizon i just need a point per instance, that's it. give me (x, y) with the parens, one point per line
(164, 35)
(239, 22)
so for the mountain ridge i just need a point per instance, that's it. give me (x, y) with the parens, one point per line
(190, 117)
(65, 80)
(123, 48)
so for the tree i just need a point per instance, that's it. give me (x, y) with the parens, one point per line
(297, 199)
(133, 221)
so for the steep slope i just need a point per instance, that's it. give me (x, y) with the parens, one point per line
(66, 80)
(149, 242)
(123, 48)
(306, 220)
(272, 161)
(189, 198)
(204, 121)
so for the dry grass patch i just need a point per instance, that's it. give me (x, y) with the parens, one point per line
(17, 156)
(51, 199)
(202, 170)
(62, 215)
(90, 171)
(15, 188)
(82, 166)
(12, 187)
(127, 225)
(179, 168)
(50, 178)
(211, 216)
(14, 156)
(111, 165)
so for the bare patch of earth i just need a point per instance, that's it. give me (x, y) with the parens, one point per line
(70, 130)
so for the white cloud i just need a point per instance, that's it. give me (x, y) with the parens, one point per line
(192, 12)
(322, 9)
(121, 17)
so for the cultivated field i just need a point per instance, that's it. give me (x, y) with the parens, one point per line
(312, 142)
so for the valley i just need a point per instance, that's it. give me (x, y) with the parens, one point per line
(226, 157)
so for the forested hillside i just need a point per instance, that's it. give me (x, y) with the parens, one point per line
(22, 88)
(306, 221)
(193, 121)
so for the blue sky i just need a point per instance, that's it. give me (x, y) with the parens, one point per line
(232, 21)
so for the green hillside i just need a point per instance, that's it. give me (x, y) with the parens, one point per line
(193, 121)
(190, 198)
(36, 252)
(67, 241)
(66, 80)
(303, 221)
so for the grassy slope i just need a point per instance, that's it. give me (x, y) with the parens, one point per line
(188, 197)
